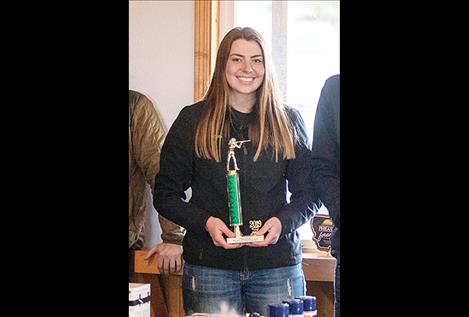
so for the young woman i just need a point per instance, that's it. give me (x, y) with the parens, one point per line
(242, 103)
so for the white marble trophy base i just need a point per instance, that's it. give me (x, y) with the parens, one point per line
(245, 239)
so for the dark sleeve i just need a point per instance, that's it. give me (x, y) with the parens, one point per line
(175, 174)
(326, 147)
(303, 203)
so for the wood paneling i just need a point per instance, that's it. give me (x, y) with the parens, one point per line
(205, 44)
(324, 293)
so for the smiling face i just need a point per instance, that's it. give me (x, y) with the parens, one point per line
(245, 68)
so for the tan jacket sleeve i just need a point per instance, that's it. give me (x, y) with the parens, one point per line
(147, 141)
(171, 232)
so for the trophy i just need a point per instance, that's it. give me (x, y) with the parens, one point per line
(234, 199)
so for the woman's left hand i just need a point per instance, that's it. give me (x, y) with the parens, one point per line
(270, 230)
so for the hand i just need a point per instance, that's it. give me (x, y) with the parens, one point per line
(273, 228)
(169, 257)
(216, 228)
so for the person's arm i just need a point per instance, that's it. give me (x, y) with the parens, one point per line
(175, 174)
(171, 232)
(147, 138)
(147, 142)
(326, 147)
(169, 257)
(303, 200)
(170, 250)
(175, 178)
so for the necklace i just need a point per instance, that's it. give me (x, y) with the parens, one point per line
(238, 124)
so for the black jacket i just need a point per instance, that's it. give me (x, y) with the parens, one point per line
(326, 153)
(263, 193)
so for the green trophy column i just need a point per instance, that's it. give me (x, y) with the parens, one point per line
(234, 201)
(234, 197)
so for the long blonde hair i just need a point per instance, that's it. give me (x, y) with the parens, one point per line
(271, 127)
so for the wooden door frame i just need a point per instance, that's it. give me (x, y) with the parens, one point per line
(207, 17)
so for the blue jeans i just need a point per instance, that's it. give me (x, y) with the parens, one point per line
(212, 290)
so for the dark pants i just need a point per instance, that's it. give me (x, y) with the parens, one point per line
(335, 251)
(337, 290)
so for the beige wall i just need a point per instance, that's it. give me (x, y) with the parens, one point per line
(161, 63)
(161, 53)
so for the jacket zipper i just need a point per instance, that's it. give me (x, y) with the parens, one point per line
(201, 252)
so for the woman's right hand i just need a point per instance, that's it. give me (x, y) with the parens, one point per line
(217, 228)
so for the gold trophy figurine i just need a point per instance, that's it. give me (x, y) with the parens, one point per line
(234, 199)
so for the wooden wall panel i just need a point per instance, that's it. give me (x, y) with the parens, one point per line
(205, 44)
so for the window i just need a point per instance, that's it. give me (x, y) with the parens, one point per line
(303, 37)
(304, 40)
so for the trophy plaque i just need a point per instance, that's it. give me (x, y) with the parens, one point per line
(234, 199)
